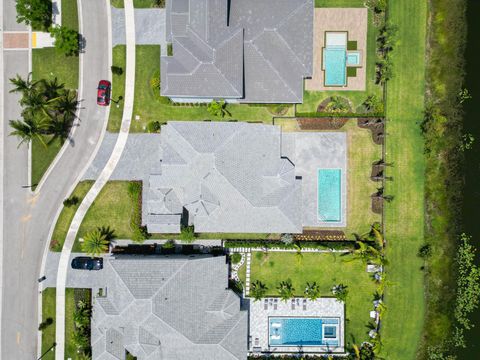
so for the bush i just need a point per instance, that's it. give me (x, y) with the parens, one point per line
(71, 201)
(140, 232)
(340, 292)
(153, 126)
(187, 234)
(117, 70)
(66, 40)
(169, 49)
(425, 251)
(155, 81)
(269, 244)
(169, 244)
(235, 258)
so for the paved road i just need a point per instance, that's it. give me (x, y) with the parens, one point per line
(28, 219)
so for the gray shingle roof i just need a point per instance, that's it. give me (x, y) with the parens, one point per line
(263, 54)
(232, 178)
(180, 309)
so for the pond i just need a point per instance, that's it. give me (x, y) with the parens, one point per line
(471, 200)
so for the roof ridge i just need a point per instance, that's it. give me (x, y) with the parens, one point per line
(243, 314)
(275, 70)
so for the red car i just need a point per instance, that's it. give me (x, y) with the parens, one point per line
(103, 93)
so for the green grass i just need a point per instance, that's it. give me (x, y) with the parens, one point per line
(339, 3)
(362, 152)
(112, 207)
(150, 106)
(326, 270)
(48, 311)
(311, 99)
(404, 217)
(47, 63)
(66, 216)
(136, 3)
(70, 348)
(70, 14)
(42, 157)
(119, 58)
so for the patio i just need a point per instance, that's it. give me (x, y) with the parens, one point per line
(354, 21)
(262, 310)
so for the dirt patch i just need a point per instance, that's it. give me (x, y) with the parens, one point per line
(376, 126)
(331, 235)
(323, 123)
(377, 204)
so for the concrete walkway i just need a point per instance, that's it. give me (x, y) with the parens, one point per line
(98, 185)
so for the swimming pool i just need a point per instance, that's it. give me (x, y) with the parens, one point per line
(335, 64)
(329, 193)
(307, 331)
(353, 58)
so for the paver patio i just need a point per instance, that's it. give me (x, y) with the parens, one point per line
(353, 20)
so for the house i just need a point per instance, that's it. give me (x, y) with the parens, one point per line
(235, 177)
(176, 308)
(253, 51)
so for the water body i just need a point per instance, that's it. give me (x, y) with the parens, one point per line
(471, 201)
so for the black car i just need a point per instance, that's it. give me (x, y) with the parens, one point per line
(87, 263)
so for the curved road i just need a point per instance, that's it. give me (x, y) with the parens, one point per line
(28, 218)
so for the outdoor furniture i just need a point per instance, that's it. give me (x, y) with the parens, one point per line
(373, 314)
(275, 304)
(293, 304)
(265, 304)
(304, 304)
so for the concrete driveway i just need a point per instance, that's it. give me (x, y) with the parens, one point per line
(27, 218)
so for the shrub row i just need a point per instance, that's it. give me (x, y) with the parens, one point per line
(339, 114)
(271, 244)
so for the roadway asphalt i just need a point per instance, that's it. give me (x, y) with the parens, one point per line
(27, 218)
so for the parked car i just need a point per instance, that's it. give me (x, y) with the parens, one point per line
(103, 92)
(87, 263)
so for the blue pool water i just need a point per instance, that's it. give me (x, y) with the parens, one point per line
(329, 201)
(286, 331)
(335, 63)
(353, 58)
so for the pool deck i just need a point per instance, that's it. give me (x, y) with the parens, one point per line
(260, 313)
(355, 22)
(310, 151)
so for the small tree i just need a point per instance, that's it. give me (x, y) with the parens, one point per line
(340, 292)
(66, 40)
(187, 234)
(285, 290)
(312, 291)
(44, 324)
(37, 13)
(153, 126)
(96, 242)
(71, 201)
(218, 108)
(258, 290)
(425, 251)
(235, 258)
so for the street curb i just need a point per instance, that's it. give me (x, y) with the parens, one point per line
(2, 166)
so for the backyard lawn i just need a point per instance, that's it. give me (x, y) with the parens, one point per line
(326, 270)
(359, 166)
(311, 99)
(66, 216)
(113, 207)
(47, 63)
(404, 217)
(151, 107)
(48, 311)
(119, 59)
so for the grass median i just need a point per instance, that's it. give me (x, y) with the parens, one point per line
(48, 334)
(48, 63)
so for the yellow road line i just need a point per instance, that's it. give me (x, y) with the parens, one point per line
(34, 39)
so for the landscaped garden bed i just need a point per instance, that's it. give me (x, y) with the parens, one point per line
(78, 312)
(322, 123)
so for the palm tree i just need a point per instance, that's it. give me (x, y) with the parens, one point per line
(312, 291)
(218, 108)
(52, 88)
(27, 130)
(340, 292)
(67, 103)
(286, 290)
(298, 254)
(365, 252)
(258, 290)
(34, 102)
(80, 340)
(21, 85)
(97, 241)
(59, 126)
